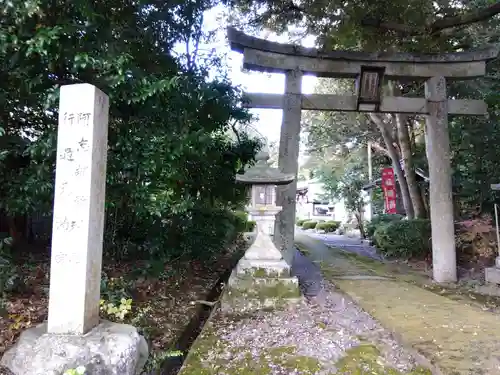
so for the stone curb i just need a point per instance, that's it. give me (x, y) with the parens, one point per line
(191, 353)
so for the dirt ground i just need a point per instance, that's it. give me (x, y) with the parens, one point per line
(162, 305)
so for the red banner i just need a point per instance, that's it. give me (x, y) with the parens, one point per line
(389, 188)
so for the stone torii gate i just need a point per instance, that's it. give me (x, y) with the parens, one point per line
(370, 69)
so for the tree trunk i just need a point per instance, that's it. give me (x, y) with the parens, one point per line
(409, 169)
(393, 154)
(407, 156)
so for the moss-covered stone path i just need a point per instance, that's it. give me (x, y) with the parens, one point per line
(457, 336)
(326, 336)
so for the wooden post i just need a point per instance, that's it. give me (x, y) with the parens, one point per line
(284, 229)
(441, 202)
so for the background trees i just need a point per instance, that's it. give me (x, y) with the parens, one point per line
(171, 165)
(407, 26)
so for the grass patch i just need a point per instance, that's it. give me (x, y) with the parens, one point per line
(459, 339)
(367, 359)
(407, 274)
(447, 324)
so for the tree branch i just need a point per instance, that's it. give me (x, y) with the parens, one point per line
(473, 16)
(379, 148)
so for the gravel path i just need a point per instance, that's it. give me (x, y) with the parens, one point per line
(323, 332)
(329, 327)
(353, 245)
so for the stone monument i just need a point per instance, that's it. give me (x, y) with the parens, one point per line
(262, 277)
(74, 336)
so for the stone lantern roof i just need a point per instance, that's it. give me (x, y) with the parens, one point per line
(263, 174)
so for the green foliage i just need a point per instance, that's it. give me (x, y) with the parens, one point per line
(80, 370)
(242, 222)
(343, 177)
(116, 297)
(329, 226)
(309, 224)
(299, 222)
(116, 312)
(404, 238)
(250, 226)
(378, 220)
(241, 219)
(171, 164)
(9, 273)
(115, 289)
(414, 26)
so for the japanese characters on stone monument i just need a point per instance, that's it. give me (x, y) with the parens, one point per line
(370, 70)
(78, 223)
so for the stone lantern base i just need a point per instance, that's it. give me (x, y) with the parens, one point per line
(261, 279)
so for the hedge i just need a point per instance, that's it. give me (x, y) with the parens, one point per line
(329, 226)
(309, 224)
(300, 222)
(404, 238)
(378, 220)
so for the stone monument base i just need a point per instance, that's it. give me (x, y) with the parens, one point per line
(257, 284)
(108, 349)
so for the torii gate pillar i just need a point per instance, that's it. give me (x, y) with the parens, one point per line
(440, 188)
(288, 162)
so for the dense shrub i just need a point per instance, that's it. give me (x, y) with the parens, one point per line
(335, 222)
(329, 226)
(300, 222)
(250, 226)
(377, 220)
(309, 224)
(198, 233)
(404, 238)
(206, 232)
(240, 220)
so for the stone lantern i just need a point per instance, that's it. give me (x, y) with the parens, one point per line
(262, 277)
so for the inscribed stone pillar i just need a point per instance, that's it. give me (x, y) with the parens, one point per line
(441, 203)
(288, 163)
(78, 223)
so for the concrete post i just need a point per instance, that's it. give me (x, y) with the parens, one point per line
(284, 229)
(441, 203)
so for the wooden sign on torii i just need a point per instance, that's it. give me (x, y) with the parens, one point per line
(370, 69)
